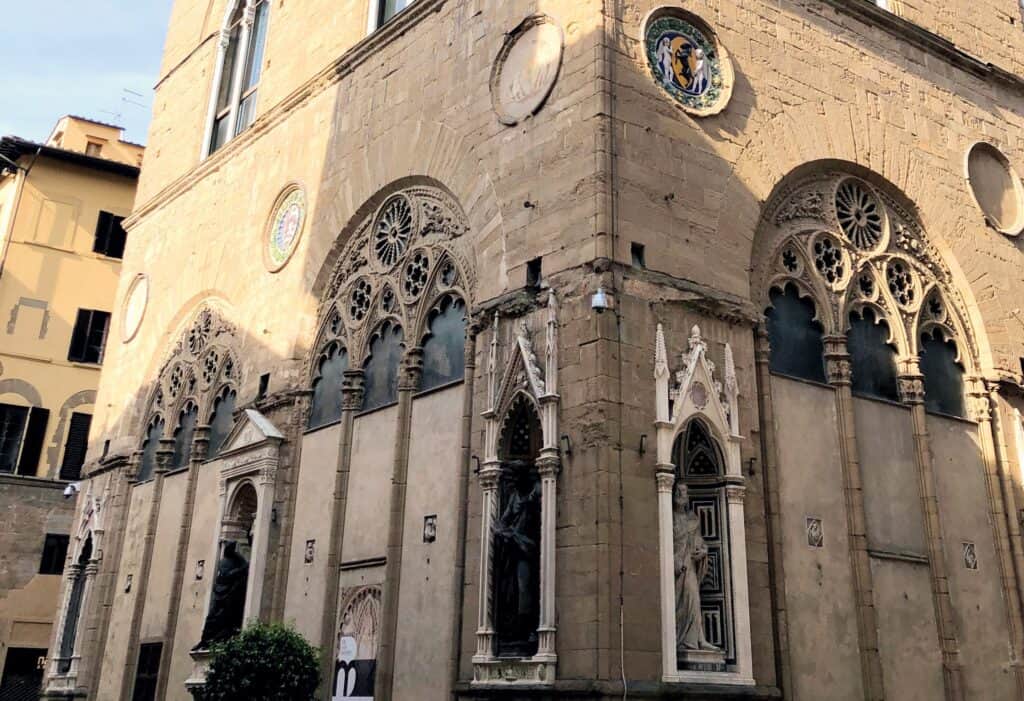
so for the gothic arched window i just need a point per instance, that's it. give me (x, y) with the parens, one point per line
(240, 60)
(381, 386)
(943, 375)
(183, 435)
(222, 420)
(796, 342)
(444, 352)
(697, 454)
(149, 448)
(325, 407)
(872, 359)
(74, 608)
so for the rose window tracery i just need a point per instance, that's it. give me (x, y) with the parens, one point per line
(387, 300)
(790, 260)
(828, 259)
(393, 230)
(448, 274)
(414, 279)
(860, 214)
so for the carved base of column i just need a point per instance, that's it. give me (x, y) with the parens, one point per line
(702, 660)
(512, 671)
(196, 681)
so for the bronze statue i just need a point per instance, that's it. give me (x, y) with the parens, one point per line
(691, 566)
(517, 564)
(227, 605)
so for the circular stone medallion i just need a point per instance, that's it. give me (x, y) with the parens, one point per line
(134, 307)
(285, 227)
(526, 69)
(688, 64)
(996, 188)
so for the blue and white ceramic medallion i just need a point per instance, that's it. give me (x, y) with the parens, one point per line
(688, 64)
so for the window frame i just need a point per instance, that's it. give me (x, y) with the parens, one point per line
(82, 357)
(375, 14)
(243, 15)
(108, 225)
(48, 563)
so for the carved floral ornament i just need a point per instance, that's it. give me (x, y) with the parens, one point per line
(849, 246)
(201, 364)
(399, 264)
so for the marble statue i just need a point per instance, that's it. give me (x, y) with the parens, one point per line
(227, 604)
(691, 565)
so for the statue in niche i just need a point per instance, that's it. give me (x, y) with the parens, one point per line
(227, 605)
(691, 566)
(517, 562)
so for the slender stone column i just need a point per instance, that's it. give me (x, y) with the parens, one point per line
(911, 385)
(490, 476)
(837, 362)
(164, 454)
(351, 402)
(200, 450)
(666, 479)
(547, 466)
(770, 477)
(1005, 470)
(408, 384)
(984, 407)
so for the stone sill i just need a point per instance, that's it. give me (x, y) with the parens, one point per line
(587, 689)
(870, 13)
(31, 481)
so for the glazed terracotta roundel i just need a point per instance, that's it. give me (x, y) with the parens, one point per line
(285, 227)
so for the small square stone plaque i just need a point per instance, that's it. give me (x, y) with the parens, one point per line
(815, 532)
(970, 556)
(310, 551)
(430, 528)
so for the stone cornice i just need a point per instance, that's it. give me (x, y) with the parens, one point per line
(870, 13)
(346, 64)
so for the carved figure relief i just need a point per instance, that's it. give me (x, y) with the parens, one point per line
(691, 567)
(687, 62)
(526, 69)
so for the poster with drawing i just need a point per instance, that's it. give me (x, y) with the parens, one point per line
(358, 635)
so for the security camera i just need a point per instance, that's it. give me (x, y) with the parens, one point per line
(72, 489)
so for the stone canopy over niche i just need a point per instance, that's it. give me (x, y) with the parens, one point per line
(687, 61)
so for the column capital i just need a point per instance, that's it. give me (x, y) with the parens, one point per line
(665, 480)
(762, 344)
(911, 388)
(838, 367)
(411, 370)
(735, 493)
(201, 443)
(352, 385)
(164, 455)
(548, 465)
(489, 477)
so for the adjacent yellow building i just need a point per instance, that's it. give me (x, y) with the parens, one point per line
(61, 243)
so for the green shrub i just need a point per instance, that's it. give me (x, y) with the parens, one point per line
(263, 663)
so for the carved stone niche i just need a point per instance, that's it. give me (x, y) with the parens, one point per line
(705, 605)
(247, 466)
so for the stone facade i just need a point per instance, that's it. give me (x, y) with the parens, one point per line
(879, 548)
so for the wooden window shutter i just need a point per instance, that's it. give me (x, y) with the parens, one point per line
(35, 434)
(79, 335)
(102, 241)
(75, 446)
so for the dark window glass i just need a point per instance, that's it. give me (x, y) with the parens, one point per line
(149, 448)
(23, 674)
(147, 671)
(326, 404)
(55, 550)
(183, 436)
(696, 453)
(110, 235)
(35, 435)
(223, 420)
(444, 350)
(390, 8)
(872, 359)
(381, 386)
(253, 69)
(13, 420)
(797, 347)
(943, 376)
(89, 336)
(67, 638)
(222, 113)
(75, 446)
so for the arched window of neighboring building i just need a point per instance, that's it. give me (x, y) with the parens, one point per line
(872, 359)
(149, 448)
(796, 342)
(183, 435)
(325, 407)
(444, 351)
(74, 608)
(240, 61)
(222, 420)
(381, 384)
(943, 375)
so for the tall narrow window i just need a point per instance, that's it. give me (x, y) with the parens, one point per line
(234, 97)
(796, 342)
(89, 336)
(149, 448)
(873, 360)
(75, 446)
(326, 404)
(183, 436)
(444, 350)
(222, 420)
(22, 432)
(70, 632)
(147, 671)
(110, 235)
(943, 375)
(381, 387)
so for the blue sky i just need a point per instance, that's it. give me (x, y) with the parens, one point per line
(62, 57)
